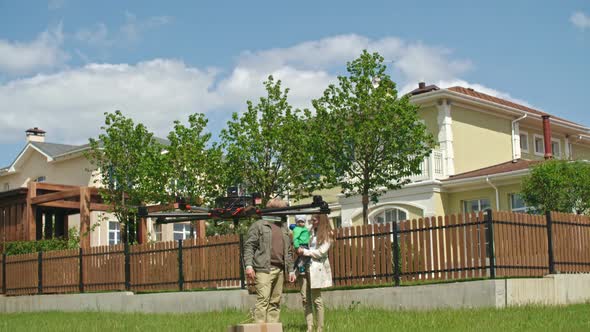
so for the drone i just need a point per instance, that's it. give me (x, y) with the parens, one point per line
(232, 207)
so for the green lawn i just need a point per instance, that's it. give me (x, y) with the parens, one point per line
(570, 318)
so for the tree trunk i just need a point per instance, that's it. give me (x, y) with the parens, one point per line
(365, 209)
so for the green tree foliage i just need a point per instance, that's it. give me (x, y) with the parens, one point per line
(368, 138)
(559, 185)
(266, 147)
(130, 166)
(194, 170)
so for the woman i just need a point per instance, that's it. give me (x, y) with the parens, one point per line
(318, 274)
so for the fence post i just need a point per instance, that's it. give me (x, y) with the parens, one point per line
(242, 275)
(127, 267)
(40, 272)
(550, 242)
(4, 273)
(490, 233)
(81, 286)
(396, 249)
(180, 270)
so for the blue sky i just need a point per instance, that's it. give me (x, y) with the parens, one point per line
(63, 63)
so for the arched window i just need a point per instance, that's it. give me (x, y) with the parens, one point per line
(390, 215)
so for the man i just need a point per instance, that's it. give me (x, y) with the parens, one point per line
(267, 254)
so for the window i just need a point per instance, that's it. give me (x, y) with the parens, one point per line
(337, 222)
(524, 142)
(539, 145)
(182, 231)
(556, 148)
(476, 205)
(158, 231)
(517, 204)
(114, 232)
(6, 186)
(40, 179)
(390, 215)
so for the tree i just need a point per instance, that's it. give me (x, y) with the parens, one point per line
(370, 140)
(194, 170)
(558, 185)
(129, 162)
(265, 147)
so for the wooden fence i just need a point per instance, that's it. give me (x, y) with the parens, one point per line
(483, 245)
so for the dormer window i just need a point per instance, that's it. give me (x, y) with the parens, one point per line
(556, 148)
(539, 145)
(524, 142)
(40, 179)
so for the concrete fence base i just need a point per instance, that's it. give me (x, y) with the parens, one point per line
(498, 293)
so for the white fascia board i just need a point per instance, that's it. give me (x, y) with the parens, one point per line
(445, 93)
(449, 184)
(21, 154)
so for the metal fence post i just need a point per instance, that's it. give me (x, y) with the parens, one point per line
(127, 267)
(550, 242)
(4, 273)
(40, 272)
(242, 275)
(81, 261)
(396, 251)
(180, 264)
(490, 233)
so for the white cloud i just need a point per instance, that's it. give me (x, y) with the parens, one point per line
(70, 104)
(56, 4)
(99, 36)
(42, 53)
(580, 20)
(305, 67)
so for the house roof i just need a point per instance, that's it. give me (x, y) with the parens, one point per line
(483, 96)
(506, 167)
(54, 149)
(422, 88)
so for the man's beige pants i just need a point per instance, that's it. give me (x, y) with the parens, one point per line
(312, 298)
(269, 287)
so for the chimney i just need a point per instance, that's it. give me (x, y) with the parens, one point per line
(421, 85)
(35, 135)
(547, 137)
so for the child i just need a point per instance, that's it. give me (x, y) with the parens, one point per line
(301, 239)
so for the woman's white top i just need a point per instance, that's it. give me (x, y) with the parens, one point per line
(320, 272)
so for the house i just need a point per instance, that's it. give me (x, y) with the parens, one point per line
(486, 145)
(41, 161)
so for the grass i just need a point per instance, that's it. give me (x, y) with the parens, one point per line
(567, 318)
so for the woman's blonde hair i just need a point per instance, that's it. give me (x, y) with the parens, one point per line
(324, 230)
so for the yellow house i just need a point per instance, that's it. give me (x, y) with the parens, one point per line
(42, 161)
(485, 147)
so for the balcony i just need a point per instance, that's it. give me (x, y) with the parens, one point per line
(432, 168)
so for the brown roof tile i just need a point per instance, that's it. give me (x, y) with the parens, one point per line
(480, 95)
(506, 167)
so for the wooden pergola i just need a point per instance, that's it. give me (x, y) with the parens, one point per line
(23, 210)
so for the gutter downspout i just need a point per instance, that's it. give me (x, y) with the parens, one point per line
(513, 138)
(497, 194)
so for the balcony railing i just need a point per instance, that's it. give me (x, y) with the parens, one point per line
(431, 168)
